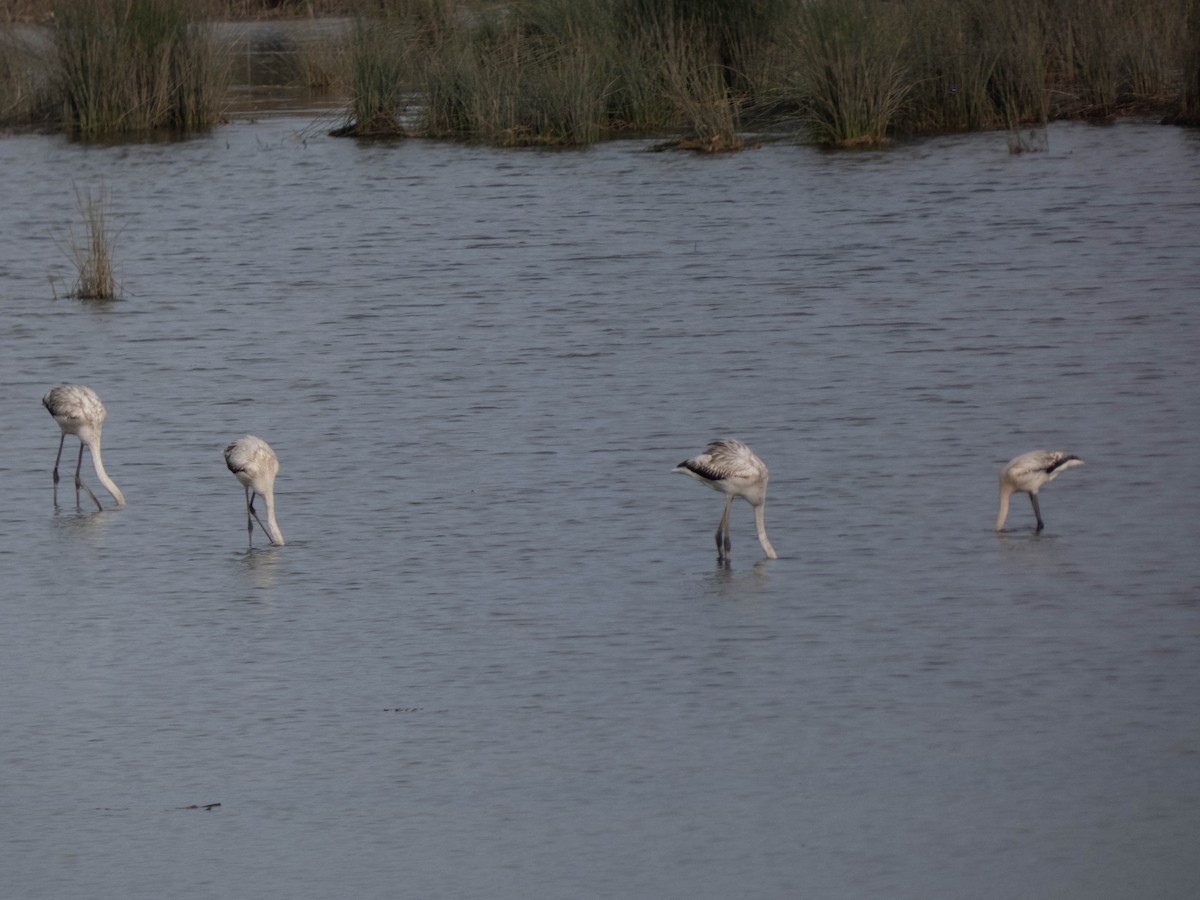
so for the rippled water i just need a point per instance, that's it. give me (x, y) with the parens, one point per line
(497, 656)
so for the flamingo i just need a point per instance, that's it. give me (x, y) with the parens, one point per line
(253, 461)
(78, 411)
(1026, 474)
(732, 468)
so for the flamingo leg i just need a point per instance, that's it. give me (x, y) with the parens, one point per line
(724, 545)
(79, 481)
(57, 459)
(249, 520)
(1037, 512)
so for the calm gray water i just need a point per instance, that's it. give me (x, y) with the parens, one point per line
(497, 657)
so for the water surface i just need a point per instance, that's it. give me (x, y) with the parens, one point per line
(497, 656)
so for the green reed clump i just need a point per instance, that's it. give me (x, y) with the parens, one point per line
(534, 74)
(1108, 53)
(566, 71)
(951, 67)
(391, 44)
(735, 33)
(1153, 49)
(92, 252)
(469, 93)
(377, 66)
(1091, 53)
(698, 92)
(135, 65)
(563, 100)
(849, 57)
(619, 85)
(1015, 36)
(638, 95)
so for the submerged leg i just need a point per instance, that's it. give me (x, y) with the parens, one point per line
(61, 441)
(1037, 512)
(724, 545)
(249, 520)
(79, 481)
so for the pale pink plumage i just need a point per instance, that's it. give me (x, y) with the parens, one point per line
(253, 461)
(77, 410)
(732, 468)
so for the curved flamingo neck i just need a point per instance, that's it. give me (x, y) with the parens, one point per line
(275, 534)
(1005, 493)
(760, 524)
(109, 485)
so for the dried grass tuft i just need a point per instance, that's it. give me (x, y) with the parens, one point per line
(92, 251)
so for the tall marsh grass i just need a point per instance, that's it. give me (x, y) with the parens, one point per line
(699, 93)
(528, 75)
(953, 61)
(561, 72)
(549, 72)
(133, 66)
(569, 72)
(850, 68)
(24, 80)
(386, 41)
(1187, 111)
(376, 70)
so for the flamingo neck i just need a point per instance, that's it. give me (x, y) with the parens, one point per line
(98, 463)
(1005, 493)
(272, 526)
(762, 532)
